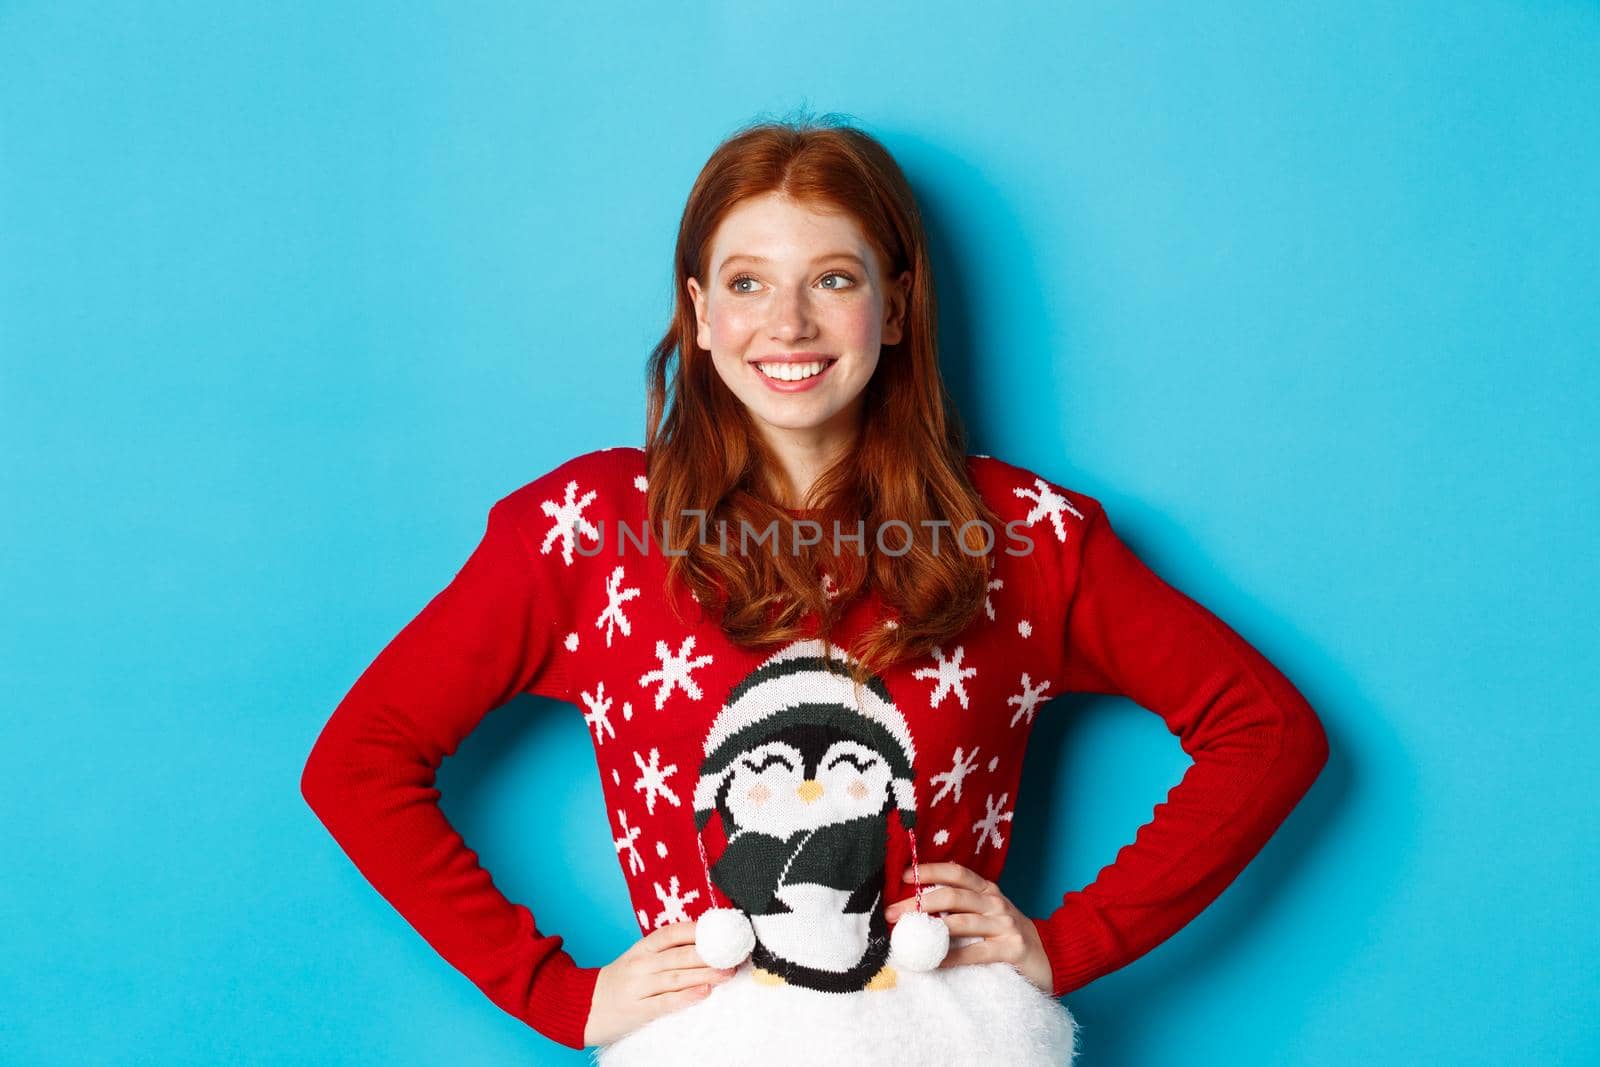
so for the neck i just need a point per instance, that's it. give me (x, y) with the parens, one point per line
(802, 456)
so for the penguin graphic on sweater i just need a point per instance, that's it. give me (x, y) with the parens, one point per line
(803, 776)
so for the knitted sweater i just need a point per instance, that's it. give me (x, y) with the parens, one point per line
(536, 609)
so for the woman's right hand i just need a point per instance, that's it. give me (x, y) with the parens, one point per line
(659, 974)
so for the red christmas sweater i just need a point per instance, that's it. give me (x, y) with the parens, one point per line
(691, 733)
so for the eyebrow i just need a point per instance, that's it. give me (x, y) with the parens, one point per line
(820, 259)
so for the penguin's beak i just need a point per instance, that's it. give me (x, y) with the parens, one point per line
(810, 790)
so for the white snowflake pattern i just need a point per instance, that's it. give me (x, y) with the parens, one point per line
(652, 780)
(661, 849)
(616, 779)
(988, 605)
(644, 919)
(1025, 628)
(941, 837)
(1027, 702)
(612, 617)
(672, 902)
(950, 675)
(572, 641)
(674, 672)
(960, 767)
(630, 834)
(569, 519)
(994, 761)
(988, 827)
(599, 705)
(641, 483)
(1047, 502)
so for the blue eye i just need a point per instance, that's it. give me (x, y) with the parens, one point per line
(733, 283)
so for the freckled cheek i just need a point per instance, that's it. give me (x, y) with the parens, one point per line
(759, 794)
(730, 326)
(856, 326)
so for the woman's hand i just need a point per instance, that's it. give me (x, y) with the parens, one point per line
(660, 973)
(975, 907)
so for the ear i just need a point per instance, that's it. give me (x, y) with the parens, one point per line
(895, 306)
(697, 296)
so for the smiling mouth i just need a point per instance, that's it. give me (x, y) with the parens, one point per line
(794, 372)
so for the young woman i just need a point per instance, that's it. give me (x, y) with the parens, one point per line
(810, 635)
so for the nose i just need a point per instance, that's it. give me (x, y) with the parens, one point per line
(810, 790)
(792, 317)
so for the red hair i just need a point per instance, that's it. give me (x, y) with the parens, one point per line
(908, 463)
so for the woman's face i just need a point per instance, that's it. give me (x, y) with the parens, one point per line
(794, 312)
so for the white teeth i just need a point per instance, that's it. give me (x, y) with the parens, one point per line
(792, 372)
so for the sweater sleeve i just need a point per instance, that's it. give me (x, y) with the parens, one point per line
(489, 635)
(1256, 743)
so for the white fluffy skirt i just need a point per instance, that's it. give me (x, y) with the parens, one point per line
(983, 1013)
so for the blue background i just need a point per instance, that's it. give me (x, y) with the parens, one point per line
(1305, 294)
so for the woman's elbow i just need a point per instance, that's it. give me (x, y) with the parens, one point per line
(326, 780)
(1305, 743)
(317, 782)
(361, 754)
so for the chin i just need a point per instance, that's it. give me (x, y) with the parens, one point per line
(790, 421)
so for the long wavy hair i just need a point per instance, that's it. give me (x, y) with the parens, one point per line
(704, 455)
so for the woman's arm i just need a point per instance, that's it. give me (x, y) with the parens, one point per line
(488, 636)
(1257, 747)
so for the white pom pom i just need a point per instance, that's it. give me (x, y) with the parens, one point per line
(919, 941)
(724, 937)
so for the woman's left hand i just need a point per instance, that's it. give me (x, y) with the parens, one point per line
(975, 907)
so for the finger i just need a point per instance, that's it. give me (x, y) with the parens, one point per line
(972, 924)
(944, 898)
(947, 872)
(678, 956)
(978, 952)
(667, 1003)
(662, 982)
(664, 937)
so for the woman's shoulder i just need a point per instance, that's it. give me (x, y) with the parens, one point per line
(1018, 492)
(1048, 520)
(604, 483)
